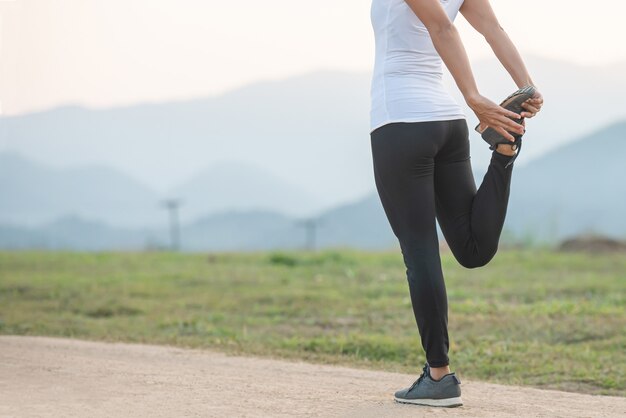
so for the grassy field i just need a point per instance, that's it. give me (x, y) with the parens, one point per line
(532, 317)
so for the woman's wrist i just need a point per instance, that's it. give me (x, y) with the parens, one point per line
(472, 98)
(526, 82)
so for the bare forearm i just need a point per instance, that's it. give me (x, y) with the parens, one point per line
(508, 55)
(448, 44)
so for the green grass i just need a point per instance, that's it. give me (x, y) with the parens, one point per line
(531, 317)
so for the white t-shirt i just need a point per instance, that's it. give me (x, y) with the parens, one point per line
(407, 82)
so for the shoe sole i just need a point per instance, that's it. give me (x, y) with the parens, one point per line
(448, 402)
(513, 103)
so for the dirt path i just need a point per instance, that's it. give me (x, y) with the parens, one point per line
(54, 377)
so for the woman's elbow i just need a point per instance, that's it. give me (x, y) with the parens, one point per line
(442, 30)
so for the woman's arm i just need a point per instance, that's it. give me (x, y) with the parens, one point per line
(481, 16)
(448, 44)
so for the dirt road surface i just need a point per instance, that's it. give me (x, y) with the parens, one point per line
(56, 377)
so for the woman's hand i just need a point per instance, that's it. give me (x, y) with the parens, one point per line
(495, 116)
(532, 105)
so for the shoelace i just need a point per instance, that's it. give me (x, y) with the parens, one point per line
(419, 379)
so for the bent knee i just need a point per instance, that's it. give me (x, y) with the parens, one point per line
(474, 260)
(473, 263)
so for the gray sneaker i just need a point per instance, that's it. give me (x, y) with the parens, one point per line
(426, 391)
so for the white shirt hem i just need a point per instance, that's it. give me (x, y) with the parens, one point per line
(417, 119)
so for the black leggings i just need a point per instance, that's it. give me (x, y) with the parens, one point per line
(423, 171)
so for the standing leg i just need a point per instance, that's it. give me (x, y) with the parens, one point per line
(403, 156)
(471, 220)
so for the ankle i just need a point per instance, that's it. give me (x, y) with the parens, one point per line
(438, 372)
(506, 149)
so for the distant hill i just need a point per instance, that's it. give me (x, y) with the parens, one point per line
(243, 230)
(311, 129)
(33, 193)
(72, 232)
(240, 186)
(574, 189)
(359, 225)
(577, 187)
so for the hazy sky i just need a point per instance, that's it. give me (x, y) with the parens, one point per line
(111, 52)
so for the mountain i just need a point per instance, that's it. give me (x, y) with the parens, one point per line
(358, 224)
(575, 188)
(75, 233)
(361, 224)
(33, 193)
(242, 230)
(240, 186)
(311, 129)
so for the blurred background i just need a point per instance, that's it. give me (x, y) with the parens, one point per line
(206, 125)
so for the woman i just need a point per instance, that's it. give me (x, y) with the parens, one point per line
(421, 159)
